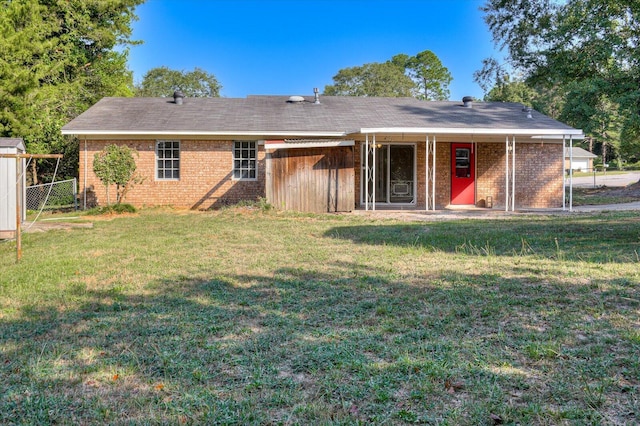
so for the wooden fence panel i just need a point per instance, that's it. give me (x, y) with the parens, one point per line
(317, 180)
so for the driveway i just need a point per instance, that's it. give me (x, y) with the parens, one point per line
(610, 180)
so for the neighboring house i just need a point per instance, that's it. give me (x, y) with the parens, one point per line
(12, 187)
(328, 153)
(578, 159)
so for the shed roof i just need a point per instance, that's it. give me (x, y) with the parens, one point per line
(16, 143)
(335, 116)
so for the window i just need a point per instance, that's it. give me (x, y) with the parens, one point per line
(244, 160)
(168, 160)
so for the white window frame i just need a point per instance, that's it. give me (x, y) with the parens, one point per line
(159, 157)
(250, 147)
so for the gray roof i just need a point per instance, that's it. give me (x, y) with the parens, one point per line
(578, 153)
(335, 115)
(16, 143)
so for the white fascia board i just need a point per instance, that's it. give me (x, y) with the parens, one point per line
(469, 131)
(317, 144)
(153, 133)
(559, 136)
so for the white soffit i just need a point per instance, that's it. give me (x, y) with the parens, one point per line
(302, 143)
(540, 133)
(152, 133)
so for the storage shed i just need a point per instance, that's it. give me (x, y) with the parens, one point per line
(12, 186)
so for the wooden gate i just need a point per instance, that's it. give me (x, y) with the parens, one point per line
(316, 180)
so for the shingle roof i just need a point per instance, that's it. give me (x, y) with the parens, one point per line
(578, 153)
(339, 115)
(12, 143)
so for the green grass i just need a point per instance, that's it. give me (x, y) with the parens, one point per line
(602, 196)
(245, 316)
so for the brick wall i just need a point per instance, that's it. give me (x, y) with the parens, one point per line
(206, 182)
(205, 176)
(538, 174)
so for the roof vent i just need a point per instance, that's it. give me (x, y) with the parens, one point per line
(315, 92)
(178, 97)
(528, 110)
(468, 101)
(295, 99)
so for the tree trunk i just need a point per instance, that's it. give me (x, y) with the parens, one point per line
(34, 172)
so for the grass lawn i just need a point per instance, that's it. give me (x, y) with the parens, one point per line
(249, 317)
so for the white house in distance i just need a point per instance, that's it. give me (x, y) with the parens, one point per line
(582, 159)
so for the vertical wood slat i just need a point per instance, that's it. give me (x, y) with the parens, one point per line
(316, 180)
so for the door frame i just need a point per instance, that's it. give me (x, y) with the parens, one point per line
(471, 193)
(363, 174)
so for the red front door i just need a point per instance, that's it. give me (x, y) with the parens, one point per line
(463, 174)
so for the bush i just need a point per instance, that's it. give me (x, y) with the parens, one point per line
(112, 209)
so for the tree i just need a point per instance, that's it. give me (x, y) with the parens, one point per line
(422, 76)
(431, 78)
(58, 57)
(163, 82)
(512, 91)
(115, 165)
(374, 79)
(586, 50)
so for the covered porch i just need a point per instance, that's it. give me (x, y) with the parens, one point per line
(434, 169)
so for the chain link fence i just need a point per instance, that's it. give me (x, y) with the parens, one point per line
(53, 196)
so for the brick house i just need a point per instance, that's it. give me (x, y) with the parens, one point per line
(329, 153)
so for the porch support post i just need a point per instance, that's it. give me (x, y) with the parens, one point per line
(513, 173)
(570, 173)
(430, 173)
(370, 173)
(506, 176)
(365, 178)
(373, 174)
(510, 174)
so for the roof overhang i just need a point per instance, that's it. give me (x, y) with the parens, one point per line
(310, 143)
(152, 133)
(533, 133)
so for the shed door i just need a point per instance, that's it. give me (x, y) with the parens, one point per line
(463, 174)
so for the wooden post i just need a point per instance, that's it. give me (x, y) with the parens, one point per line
(18, 212)
(19, 157)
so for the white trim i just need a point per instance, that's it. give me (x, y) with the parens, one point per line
(157, 157)
(364, 195)
(234, 159)
(472, 131)
(315, 144)
(535, 133)
(154, 133)
(559, 137)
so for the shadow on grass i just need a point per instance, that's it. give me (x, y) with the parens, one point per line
(348, 346)
(597, 239)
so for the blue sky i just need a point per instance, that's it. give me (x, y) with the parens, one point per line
(288, 47)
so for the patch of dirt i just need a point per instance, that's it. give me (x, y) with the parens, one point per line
(630, 191)
(50, 226)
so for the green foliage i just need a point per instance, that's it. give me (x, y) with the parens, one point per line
(119, 208)
(163, 82)
(422, 76)
(374, 79)
(58, 57)
(512, 91)
(115, 164)
(431, 78)
(583, 50)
